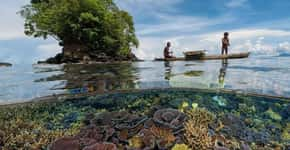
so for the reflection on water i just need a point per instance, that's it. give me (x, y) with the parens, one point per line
(223, 72)
(95, 78)
(258, 75)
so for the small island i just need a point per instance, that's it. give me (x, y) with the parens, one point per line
(90, 31)
(5, 64)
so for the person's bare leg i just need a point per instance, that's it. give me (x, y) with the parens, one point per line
(226, 49)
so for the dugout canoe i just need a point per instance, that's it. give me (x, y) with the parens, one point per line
(208, 57)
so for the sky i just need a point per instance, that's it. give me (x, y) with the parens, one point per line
(259, 26)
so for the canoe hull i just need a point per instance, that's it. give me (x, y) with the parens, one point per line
(209, 57)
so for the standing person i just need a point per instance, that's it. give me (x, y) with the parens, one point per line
(225, 43)
(167, 53)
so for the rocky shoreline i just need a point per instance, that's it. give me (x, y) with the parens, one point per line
(5, 64)
(88, 59)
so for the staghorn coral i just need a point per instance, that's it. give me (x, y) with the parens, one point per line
(196, 129)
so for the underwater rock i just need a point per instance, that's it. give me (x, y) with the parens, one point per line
(101, 146)
(170, 118)
(66, 143)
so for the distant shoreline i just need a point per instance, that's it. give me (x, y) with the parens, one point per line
(5, 64)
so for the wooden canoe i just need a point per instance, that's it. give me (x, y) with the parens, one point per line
(170, 59)
(230, 56)
(209, 57)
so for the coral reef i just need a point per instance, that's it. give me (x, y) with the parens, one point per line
(26, 127)
(197, 128)
(154, 119)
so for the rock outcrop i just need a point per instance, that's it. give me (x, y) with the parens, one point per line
(77, 53)
(4, 64)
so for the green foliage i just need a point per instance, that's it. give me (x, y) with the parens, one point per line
(98, 24)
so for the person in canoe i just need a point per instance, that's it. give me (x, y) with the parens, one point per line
(225, 43)
(167, 53)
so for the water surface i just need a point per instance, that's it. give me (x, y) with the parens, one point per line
(261, 75)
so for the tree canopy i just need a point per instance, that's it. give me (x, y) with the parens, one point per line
(98, 24)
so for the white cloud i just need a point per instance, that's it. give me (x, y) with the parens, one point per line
(284, 46)
(11, 24)
(236, 3)
(242, 40)
(181, 24)
(148, 6)
(246, 34)
(45, 51)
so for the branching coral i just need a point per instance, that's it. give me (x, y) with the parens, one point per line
(27, 127)
(196, 129)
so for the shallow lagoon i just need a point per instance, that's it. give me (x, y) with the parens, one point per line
(257, 74)
(189, 100)
(150, 119)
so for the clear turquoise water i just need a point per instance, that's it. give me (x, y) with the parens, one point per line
(257, 74)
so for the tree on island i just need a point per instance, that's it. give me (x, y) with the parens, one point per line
(94, 29)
